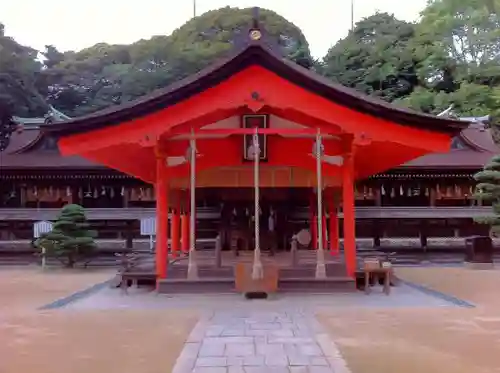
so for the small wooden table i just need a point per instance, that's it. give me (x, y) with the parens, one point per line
(372, 270)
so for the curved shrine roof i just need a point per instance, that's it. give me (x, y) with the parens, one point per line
(255, 52)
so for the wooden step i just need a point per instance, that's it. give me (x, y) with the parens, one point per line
(312, 285)
(201, 286)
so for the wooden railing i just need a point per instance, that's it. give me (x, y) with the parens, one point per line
(133, 213)
(32, 214)
(408, 212)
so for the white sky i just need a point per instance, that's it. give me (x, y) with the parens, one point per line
(73, 25)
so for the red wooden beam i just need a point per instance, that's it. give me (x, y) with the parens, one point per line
(251, 131)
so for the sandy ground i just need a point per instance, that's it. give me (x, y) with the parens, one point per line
(61, 340)
(372, 339)
(26, 289)
(413, 340)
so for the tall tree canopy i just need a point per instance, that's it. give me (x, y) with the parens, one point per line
(450, 57)
(19, 69)
(104, 75)
(457, 44)
(375, 58)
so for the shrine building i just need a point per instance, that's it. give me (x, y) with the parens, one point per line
(207, 130)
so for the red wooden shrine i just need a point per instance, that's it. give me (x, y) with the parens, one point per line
(220, 107)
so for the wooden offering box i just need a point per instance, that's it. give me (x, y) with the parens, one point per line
(245, 284)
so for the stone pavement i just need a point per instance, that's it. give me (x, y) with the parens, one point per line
(246, 341)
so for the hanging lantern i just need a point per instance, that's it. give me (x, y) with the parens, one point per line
(408, 192)
(103, 191)
(401, 191)
(189, 152)
(122, 192)
(382, 190)
(68, 192)
(253, 151)
(35, 191)
(318, 149)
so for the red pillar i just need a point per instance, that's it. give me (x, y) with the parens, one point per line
(349, 214)
(185, 232)
(313, 223)
(334, 229)
(174, 232)
(161, 218)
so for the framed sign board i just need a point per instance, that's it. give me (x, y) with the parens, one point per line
(252, 121)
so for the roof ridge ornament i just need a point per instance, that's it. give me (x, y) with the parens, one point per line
(255, 32)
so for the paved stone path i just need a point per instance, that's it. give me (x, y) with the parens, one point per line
(259, 342)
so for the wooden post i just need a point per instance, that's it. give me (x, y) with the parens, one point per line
(334, 229)
(376, 233)
(378, 196)
(349, 214)
(325, 232)
(293, 250)
(313, 224)
(162, 217)
(174, 232)
(432, 197)
(218, 251)
(185, 232)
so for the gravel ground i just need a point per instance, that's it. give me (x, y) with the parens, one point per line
(416, 340)
(62, 341)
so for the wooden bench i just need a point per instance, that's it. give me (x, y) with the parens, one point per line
(134, 277)
(374, 268)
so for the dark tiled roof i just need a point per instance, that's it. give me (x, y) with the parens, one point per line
(41, 159)
(463, 158)
(479, 149)
(22, 141)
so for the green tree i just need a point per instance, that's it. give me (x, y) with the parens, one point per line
(105, 75)
(375, 58)
(52, 56)
(70, 240)
(18, 73)
(457, 46)
(488, 189)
